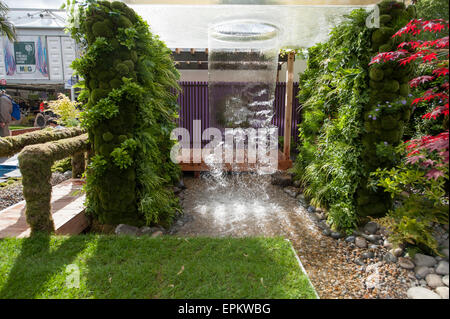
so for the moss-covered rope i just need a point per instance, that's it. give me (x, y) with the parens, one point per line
(11, 145)
(35, 163)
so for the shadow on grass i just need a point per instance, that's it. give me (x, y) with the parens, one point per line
(37, 263)
(171, 267)
(143, 267)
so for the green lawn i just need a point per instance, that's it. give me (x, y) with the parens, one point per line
(144, 267)
(19, 127)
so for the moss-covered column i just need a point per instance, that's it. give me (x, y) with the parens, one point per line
(78, 164)
(129, 115)
(37, 189)
(388, 109)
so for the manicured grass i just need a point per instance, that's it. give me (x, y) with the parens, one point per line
(19, 127)
(144, 267)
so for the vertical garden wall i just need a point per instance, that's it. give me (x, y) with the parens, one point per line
(129, 113)
(353, 115)
(388, 110)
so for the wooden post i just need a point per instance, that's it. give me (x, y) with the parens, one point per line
(288, 105)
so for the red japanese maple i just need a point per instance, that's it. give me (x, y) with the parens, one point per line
(436, 54)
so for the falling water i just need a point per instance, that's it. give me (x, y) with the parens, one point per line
(243, 60)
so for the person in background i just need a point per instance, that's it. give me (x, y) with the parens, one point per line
(41, 107)
(6, 108)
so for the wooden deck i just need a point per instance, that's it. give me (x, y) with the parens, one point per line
(283, 164)
(67, 211)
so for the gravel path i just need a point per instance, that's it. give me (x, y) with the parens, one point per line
(12, 194)
(251, 206)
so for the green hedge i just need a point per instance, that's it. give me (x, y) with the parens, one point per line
(340, 144)
(11, 145)
(35, 162)
(129, 114)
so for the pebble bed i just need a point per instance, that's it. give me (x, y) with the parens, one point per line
(12, 193)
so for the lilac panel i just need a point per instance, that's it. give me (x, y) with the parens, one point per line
(193, 102)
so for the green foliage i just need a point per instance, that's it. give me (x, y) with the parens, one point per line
(62, 166)
(433, 9)
(66, 110)
(333, 90)
(349, 125)
(6, 27)
(420, 201)
(129, 114)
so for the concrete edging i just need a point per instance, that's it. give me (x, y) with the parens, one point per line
(302, 268)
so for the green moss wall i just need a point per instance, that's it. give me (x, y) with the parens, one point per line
(389, 107)
(129, 114)
(353, 115)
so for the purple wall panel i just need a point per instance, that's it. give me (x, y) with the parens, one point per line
(193, 102)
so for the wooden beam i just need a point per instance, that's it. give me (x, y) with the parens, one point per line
(288, 105)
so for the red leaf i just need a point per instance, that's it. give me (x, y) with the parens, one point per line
(434, 173)
(441, 72)
(420, 80)
(429, 57)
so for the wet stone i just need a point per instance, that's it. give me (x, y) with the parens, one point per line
(291, 191)
(373, 238)
(367, 255)
(123, 229)
(326, 232)
(405, 263)
(336, 235)
(424, 260)
(389, 258)
(360, 242)
(442, 268)
(145, 230)
(281, 179)
(445, 280)
(421, 293)
(397, 252)
(442, 291)
(421, 271)
(434, 280)
(301, 198)
(350, 239)
(445, 253)
(371, 227)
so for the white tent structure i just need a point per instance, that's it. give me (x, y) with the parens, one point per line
(182, 25)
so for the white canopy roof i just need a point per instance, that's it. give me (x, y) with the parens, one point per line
(184, 24)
